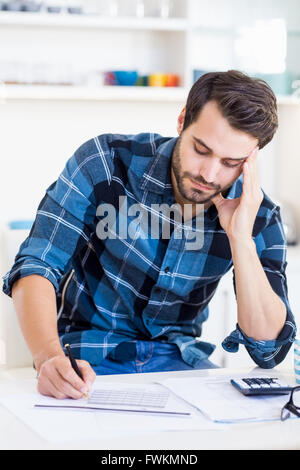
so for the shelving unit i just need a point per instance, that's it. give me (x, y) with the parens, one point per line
(146, 44)
(61, 20)
(194, 38)
(105, 93)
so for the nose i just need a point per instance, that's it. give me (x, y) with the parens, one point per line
(209, 171)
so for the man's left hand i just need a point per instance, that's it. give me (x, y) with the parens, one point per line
(237, 216)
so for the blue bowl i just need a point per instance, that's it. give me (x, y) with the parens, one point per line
(126, 77)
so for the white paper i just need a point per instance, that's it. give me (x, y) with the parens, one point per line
(59, 425)
(174, 406)
(217, 399)
(51, 426)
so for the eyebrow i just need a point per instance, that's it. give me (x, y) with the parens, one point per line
(199, 141)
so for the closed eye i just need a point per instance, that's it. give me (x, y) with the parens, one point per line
(225, 163)
(199, 151)
(230, 165)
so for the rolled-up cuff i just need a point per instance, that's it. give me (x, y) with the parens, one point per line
(265, 354)
(231, 343)
(27, 268)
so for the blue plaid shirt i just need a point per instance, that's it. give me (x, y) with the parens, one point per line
(111, 292)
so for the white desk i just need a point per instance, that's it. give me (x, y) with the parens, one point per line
(14, 434)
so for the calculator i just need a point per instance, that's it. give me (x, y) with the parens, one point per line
(261, 386)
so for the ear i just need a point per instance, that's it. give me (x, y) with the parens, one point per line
(180, 121)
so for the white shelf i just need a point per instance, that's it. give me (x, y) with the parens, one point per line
(105, 93)
(91, 22)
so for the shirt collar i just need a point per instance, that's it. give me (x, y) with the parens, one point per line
(157, 176)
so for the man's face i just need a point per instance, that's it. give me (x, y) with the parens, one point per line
(208, 156)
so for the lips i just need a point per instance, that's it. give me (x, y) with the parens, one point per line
(200, 186)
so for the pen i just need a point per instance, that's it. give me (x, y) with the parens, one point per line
(74, 365)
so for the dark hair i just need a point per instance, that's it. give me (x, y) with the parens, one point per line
(248, 104)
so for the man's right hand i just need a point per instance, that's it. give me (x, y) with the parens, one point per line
(58, 379)
(32, 295)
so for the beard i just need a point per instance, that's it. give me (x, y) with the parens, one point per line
(193, 195)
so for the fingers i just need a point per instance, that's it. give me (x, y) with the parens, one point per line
(251, 164)
(87, 372)
(52, 386)
(57, 378)
(254, 153)
(251, 185)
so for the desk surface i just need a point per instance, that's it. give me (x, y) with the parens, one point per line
(14, 434)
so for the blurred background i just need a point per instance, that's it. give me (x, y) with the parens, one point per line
(70, 70)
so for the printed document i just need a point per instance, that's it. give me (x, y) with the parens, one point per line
(146, 398)
(218, 400)
(55, 422)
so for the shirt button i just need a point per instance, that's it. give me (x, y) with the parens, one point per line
(167, 269)
(157, 290)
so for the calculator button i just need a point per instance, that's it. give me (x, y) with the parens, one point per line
(262, 383)
(255, 383)
(268, 381)
(247, 381)
(252, 383)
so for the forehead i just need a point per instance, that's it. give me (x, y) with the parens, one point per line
(216, 132)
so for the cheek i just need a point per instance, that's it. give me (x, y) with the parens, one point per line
(229, 176)
(194, 164)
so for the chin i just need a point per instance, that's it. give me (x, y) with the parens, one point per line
(200, 197)
(193, 198)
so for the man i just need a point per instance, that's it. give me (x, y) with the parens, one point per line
(131, 298)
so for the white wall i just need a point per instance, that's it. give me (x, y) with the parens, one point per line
(37, 138)
(288, 159)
